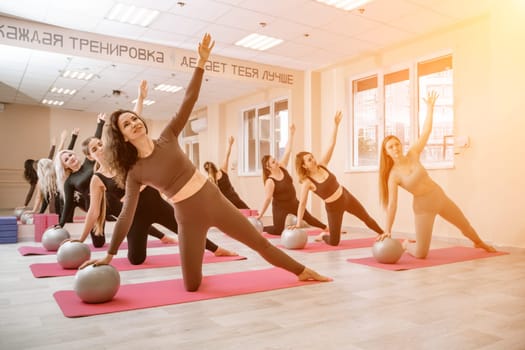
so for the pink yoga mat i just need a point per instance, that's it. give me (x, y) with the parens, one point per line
(315, 247)
(153, 294)
(435, 257)
(122, 264)
(39, 250)
(312, 232)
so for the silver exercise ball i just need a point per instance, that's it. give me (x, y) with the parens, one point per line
(53, 237)
(387, 251)
(256, 223)
(294, 238)
(97, 284)
(18, 212)
(27, 217)
(71, 255)
(291, 220)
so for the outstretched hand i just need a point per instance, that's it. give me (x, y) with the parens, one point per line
(231, 140)
(101, 117)
(292, 128)
(205, 47)
(97, 262)
(143, 89)
(338, 117)
(383, 236)
(431, 98)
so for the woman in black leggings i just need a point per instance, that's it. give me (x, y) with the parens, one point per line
(317, 178)
(280, 191)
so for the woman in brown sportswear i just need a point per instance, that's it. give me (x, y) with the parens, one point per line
(315, 177)
(406, 171)
(161, 163)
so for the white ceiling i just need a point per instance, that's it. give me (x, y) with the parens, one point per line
(333, 36)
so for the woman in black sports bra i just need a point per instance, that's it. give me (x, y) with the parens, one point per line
(317, 178)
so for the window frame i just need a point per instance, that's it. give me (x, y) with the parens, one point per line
(415, 101)
(243, 154)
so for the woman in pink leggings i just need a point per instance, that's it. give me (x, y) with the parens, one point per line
(397, 169)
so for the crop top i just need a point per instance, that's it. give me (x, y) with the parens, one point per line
(326, 188)
(284, 191)
(166, 169)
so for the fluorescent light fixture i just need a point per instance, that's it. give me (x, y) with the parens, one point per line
(168, 88)
(146, 102)
(52, 102)
(63, 91)
(132, 14)
(258, 42)
(346, 5)
(77, 75)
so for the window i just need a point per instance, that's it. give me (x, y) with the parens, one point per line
(390, 104)
(264, 131)
(190, 144)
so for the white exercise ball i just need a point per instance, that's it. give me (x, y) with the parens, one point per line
(97, 284)
(387, 251)
(294, 238)
(53, 237)
(71, 255)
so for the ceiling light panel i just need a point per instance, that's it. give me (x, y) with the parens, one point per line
(131, 14)
(346, 5)
(258, 42)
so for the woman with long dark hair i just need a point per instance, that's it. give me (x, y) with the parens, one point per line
(139, 160)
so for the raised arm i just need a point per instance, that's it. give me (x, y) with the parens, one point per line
(74, 137)
(96, 196)
(303, 197)
(328, 153)
(420, 144)
(142, 94)
(178, 122)
(52, 149)
(101, 120)
(391, 207)
(288, 150)
(224, 166)
(269, 187)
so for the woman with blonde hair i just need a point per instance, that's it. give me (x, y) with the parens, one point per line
(406, 171)
(315, 177)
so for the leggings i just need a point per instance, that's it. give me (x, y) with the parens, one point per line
(195, 219)
(335, 211)
(151, 209)
(281, 210)
(426, 207)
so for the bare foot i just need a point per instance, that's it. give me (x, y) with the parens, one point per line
(168, 240)
(485, 246)
(311, 275)
(224, 252)
(319, 237)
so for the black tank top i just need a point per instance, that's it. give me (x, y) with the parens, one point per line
(284, 190)
(326, 188)
(113, 195)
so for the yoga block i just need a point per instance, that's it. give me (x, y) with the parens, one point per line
(40, 222)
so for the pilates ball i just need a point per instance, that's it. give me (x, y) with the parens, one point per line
(27, 217)
(256, 223)
(294, 239)
(71, 255)
(53, 237)
(387, 251)
(97, 284)
(18, 212)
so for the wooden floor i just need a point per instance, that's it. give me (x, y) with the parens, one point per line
(470, 305)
